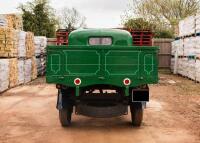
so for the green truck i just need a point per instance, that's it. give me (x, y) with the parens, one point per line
(100, 74)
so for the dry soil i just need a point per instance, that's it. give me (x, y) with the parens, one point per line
(28, 115)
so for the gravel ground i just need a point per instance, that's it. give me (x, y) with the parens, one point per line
(28, 115)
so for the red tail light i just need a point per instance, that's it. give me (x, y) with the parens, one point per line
(127, 81)
(77, 81)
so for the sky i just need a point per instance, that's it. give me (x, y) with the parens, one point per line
(98, 13)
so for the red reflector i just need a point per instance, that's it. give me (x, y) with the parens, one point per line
(127, 81)
(77, 81)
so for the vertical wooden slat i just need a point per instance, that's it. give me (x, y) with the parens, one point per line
(165, 51)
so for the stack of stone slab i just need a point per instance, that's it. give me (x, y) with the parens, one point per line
(186, 49)
(40, 45)
(30, 47)
(27, 70)
(22, 44)
(34, 71)
(4, 74)
(185, 56)
(8, 73)
(21, 72)
(40, 53)
(18, 63)
(41, 65)
(197, 23)
(13, 21)
(13, 72)
(187, 26)
(8, 42)
(197, 70)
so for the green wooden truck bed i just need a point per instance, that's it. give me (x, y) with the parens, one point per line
(102, 65)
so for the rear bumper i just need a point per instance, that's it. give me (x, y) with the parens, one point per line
(66, 97)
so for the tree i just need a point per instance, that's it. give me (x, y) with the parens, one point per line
(138, 23)
(163, 13)
(71, 19)
(39, 18)
(141, 24)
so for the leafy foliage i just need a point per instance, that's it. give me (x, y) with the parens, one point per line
(138, 23)
(39, 18)
(163, 34)
(164, 14)
(141, 24)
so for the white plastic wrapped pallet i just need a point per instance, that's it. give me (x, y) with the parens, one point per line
(197, 20)
(174, 47)
(43, 44)
(197, 70)
(21, 44)
(4, 74)
(41, 65)
(189, 46)
(186, 55)
(3, 21)
(182, 66)
(37, 46)
(191, 69)
(180, 49)
(197, 46)
(185, 68)
(40, 45)
(177, 45)
(181, 28)
(21, 74)
(27, 70)
(187, 26)
(172, 64)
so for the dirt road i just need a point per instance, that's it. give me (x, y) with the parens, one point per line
(28, 115)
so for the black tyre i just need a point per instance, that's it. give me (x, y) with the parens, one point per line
(65, 116)
(136, 113)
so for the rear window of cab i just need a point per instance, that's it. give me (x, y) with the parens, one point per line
(100, 41)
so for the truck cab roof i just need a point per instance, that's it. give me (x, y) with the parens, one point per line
(118, 37)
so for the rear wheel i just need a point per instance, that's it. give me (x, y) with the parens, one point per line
(65, 117)
(136, 113)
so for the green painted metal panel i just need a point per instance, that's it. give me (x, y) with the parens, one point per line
(102, 65)
(82, 62)
(119, 37)
(122, 62)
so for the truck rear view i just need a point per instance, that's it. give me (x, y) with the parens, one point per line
(100, 74)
